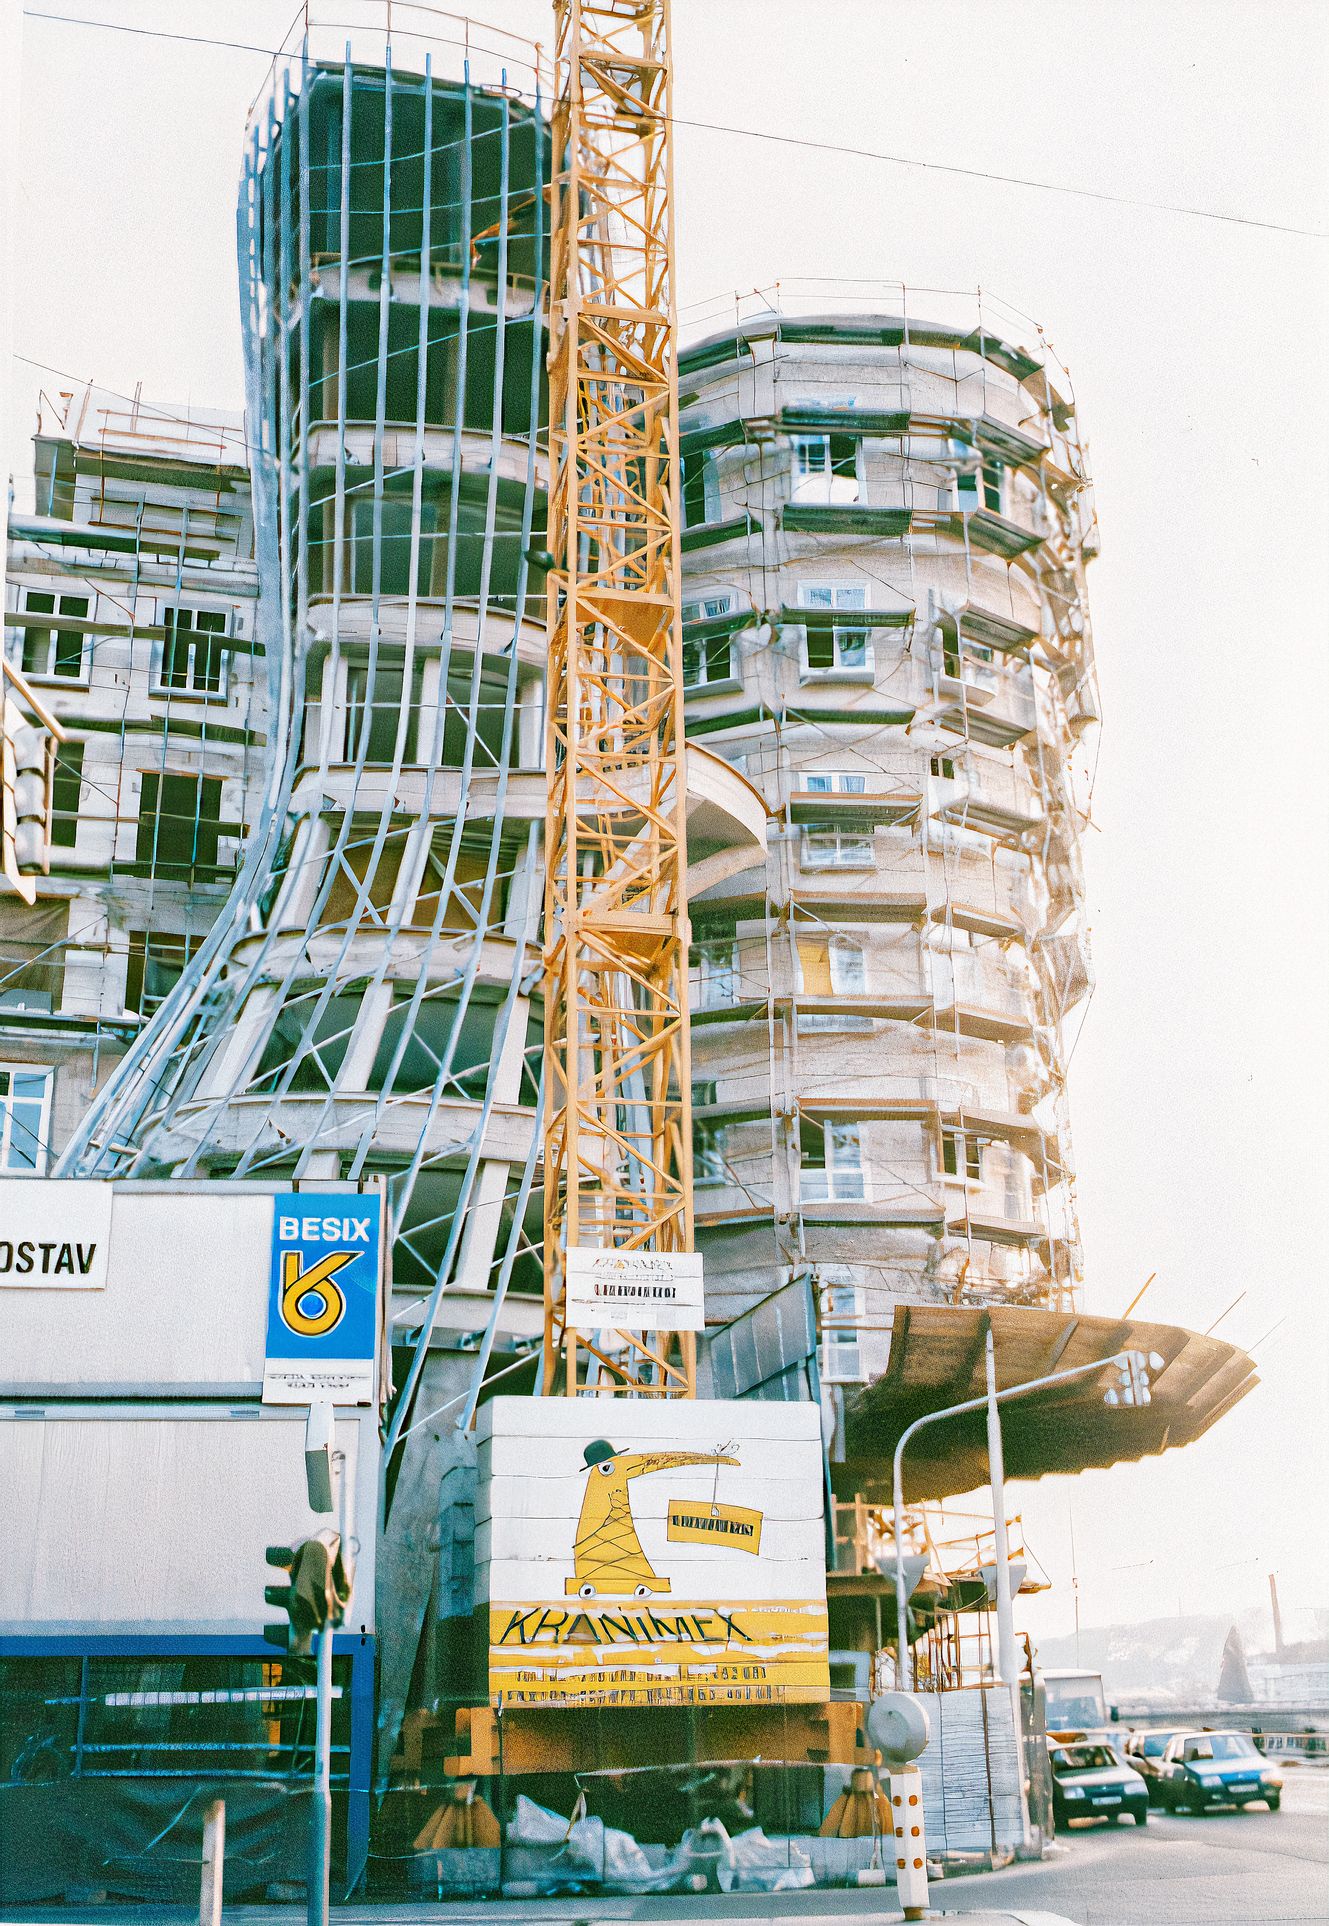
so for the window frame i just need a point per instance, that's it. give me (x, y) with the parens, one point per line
(699, 488)
(977, 478)
(851, 651)
(56, 677)
(841, 839)
(953, 1142)
(65, 822)
(841, 595)
(717, 962)
(848, 1344)
(696, 610)
(837, 945)
(832, 477)
(42, 1155)
(147, 851)
(832, 782)
(823, 602)
(141, 950)
(709, 1154)
(701, 649)
(843, 1180)
(190, 690)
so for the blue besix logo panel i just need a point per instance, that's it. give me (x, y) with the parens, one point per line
(323, 1286)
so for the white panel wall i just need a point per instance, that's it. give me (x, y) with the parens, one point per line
(160, 1523)
(185, 1301)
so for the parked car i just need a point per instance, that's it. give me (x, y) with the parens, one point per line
(1144, 1751)
(1091, 1781)
(1202, 1769)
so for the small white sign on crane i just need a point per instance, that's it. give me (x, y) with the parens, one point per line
(629, 1290)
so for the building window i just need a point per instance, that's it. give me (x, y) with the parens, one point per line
(708, 1153)
(55, 650)
(943, 767)
(385, 710)
(837, 849)
(831, 966)
(701, 489)
(979, 483)
(25, 1119)
(841, 1316)
(709, 608)
(195, 658)
(66, 793)
(831, 782)
(717, 976)
(395, 525)
(155, 965)
(834, 647)
(830, 1161)
(179, 827)
(960, 1150)
(833, 595)
(830, 646)
(709, 659)
(964, 660)
(825, 468)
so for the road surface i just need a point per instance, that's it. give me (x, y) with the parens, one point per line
(1251, 1868)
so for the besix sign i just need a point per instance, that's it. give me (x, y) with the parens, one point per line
(323, 1298)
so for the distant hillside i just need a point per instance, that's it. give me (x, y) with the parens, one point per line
(1171, 1658)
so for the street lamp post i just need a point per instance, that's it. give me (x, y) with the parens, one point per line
(1135, 1388)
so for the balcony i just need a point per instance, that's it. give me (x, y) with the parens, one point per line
(979, 995)
(989, 798)
(987, 701)
(844, 518)
(493, 636)
(854, 809)
(442, 451)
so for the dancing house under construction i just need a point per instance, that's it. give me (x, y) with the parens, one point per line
(293, 934)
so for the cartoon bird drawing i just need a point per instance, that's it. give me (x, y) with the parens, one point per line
(607, 1554)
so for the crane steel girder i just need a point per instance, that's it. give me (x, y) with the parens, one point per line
(617, 1130)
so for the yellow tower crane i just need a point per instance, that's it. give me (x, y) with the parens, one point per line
(617, 1127)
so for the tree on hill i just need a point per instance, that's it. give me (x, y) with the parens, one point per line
(1234, 1681)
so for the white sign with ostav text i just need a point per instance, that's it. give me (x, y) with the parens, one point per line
(55, 1233)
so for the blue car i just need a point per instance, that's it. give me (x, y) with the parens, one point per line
(1202, 1769)
(1091, 1781)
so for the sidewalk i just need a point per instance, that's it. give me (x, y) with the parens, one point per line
(826, 1908)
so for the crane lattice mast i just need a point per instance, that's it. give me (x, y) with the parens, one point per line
(617, 1134)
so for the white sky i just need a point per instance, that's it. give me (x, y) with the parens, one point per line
(1198, 354)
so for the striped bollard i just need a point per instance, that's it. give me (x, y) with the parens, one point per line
(911, 1859)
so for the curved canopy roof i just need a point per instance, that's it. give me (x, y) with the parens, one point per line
(937, 1359)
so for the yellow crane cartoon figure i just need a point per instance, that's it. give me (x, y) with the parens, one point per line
(607, 1553)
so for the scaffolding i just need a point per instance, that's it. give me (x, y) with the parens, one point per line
(886, 626)
(130, 590)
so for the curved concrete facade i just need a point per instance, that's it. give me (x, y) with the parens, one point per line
(363, 1009)
(886, 629)
(368, 1002)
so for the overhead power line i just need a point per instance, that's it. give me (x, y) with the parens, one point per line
(1008, 180)
(151, 33)
(786, 140)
